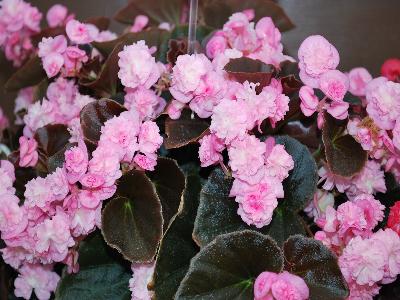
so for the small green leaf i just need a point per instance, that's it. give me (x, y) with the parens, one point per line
(344, 155)
(30, 74)
(317, 265)
(170, 183)
(227, 267)
(101, 276)
(185, 130)
(177, 247)
(132, 220)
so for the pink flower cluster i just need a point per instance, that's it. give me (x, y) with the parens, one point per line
(367, 262)
(62, 106)
(318, 60)
(260, 41)
(352, 218)
(282, 286)
(19, 20)
(142, 275)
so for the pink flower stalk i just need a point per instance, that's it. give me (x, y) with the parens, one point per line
(28, 156)
(269, 285)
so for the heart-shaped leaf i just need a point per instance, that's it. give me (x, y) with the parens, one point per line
(30, 74)
(170, 183)
(101, 275)
(216, 13)
(344, 155)
(317, 265)
(132, 221)
(301, 184)
(187, 129)
(93, 116)
(177, 247)
(247, 69)
(157, 11)
(227, 267)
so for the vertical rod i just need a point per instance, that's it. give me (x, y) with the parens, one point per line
(192, 26)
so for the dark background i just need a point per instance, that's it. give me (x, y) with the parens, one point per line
(365, 32)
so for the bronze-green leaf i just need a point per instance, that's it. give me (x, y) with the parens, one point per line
(227, 267)
(132, 221)
(317, 265)
(185, 130)
(170, 183)
(30, 74)
(344, 155)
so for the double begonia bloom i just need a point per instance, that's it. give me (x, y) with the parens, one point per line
(28, 155)
(80, 33)
(334, 84)
(358, 80)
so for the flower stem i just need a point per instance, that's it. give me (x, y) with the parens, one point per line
(192, 26)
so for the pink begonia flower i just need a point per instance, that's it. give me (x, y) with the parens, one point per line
(210, 150)
(230, 120)
(278, 162)
(52, 64)
(56, 15)
(88, 199)
(38, 193)
(12, 217)
(334, 84)
(281, 286)
(316, 56)
(84, 221)
(62, 91)
(57, 44)
(249, 13)
(73, 60)
(174, 109)
(240, 33)
(92, 180)
(338, 109)
(58, 183)
(331, 180)
(106, 162)
(216, 45)
(39, 114)
(363, 261)
(366, 133)
(105, 36)
(309, 101)
(142, 275)
(146, 161)
(391, 242)
(317, 207)
(150, 139)
(391, 69)
(22, 102)
(366, 291)
(139, 23)
(80, 33)
(137, 66)
(370, 180)
(246, 158)
(7, 177)
(36, 278)
(393, 221)
(266, 30)
(28, 155)
(76, 162)
(146, 102)
(358, 80)
(373, 209)
(14, 256)
(382, 102)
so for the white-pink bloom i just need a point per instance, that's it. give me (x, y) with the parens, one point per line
(358, 80)
(334, 84)
(80, 33)
(142, 274)
(210, 150)
(309, 101)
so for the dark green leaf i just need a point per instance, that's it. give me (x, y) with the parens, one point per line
(132, 221)
(157, 11)
(93, 116)
(177, 247)
(170, 183)
(185, 130)
(344, 155)
(30, 74)
(317, 265)
(301, 184)
(227, 267)
(216, 12)
(101, 275)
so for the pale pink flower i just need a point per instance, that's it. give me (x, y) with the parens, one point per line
(76, 162)
(106, 162)
(358, 80)
(38, 193)
(145, 101)
(56, 15)
(39, 114)
(36, 278)
(338, 109)
(316, 56)
(309, 101)
(150, 139)
(105, 36)
(22, 102)
(362, 292)
(146, 161)
(396, 135)
(216, 45)
(73, 61)
(7, 177)
(28, 155)
(278, 162)
(52, 64)
(142, 274)
(334, 84)
(58, 183)
(317, 207)
(47, 46)
(331, 180)
(174, 109)
(240, 34)
(137, 66)
(83, 221)
(210, 150)
(139, 23)
(13, 220)
(80, 33)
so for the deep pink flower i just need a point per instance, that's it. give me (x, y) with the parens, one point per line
(28, 155)
(394, 218)
(391, 69)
